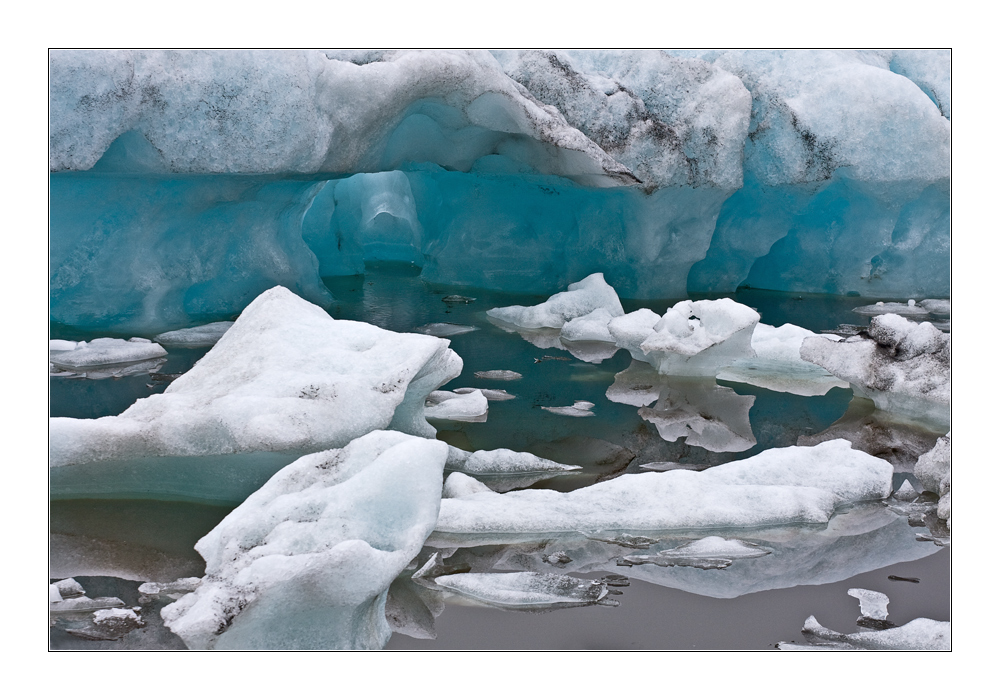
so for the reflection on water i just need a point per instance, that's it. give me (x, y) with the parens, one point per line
(151, 514)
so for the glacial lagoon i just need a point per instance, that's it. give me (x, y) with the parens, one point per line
(500, 349)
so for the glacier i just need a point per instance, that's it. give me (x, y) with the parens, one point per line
(671, 174)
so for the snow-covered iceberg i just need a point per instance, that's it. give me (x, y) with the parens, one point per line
(904, 367)
(776, 487)
(306, 562)
(286, 377)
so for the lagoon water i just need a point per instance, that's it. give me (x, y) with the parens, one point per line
(751, 605)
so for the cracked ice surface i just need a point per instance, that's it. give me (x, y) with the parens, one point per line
(904, 367)
(285, 377)
(307, 560)
(778, 486)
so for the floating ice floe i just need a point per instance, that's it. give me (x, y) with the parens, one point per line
(933, 469)
(68, 596)
(692, 338)
(285, 377)
(306, 561)
(941, 307)
(443, 330)
(490, 394)
(580, 299)
(196, 337)
(503, 470)
(904, 367)
(918, 634)
(102, 351)
(910, 308)
(109, 624)
(457, 299)
(469, 407)
(778, 366)
(790, 485)
(505, 375)
(579, 409)
(708, 553)
(174, 588)
(526, 591)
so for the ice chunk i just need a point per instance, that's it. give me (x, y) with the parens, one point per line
(58, 346)
(874, 605)
(631, 329)
(933, 469)
(906, 492)
(104, 351)
(54, 595)
(130, 369)
(526, 590)
(503, 470)
(778, 366)
(499, 374)
(579, 409)
(180, 586)
(707, 553)
(622, 539)
(196, 337)
(580, 299)
(777, 486)
(447, 405)
(306, 561)
(490, 394)
(592, 326)
(904, 367)
(109, 624)
(285, 377)
(68, 588)
(918, 634)
(81, 604)
(444, 330)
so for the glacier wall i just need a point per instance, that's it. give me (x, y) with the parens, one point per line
(184, 183)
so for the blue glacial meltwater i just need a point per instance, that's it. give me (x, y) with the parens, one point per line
(653, 345)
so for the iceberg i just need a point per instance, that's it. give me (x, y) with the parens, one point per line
(904, 367)
(776, 487)
(306, 562)
(285, 378)
(196, 337)
(580, 299)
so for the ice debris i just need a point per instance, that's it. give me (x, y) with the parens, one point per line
(499, 374)
(874, 608)
(526, 591)
(580, 299)
(933, 469)
(173, 588)
(286, 376)
(444, 330)
(503, 470)
(469, 407)
(904, 367)
(306, 561)
(196, 337)
(102, 351)
(776, 487)
(910, 308)
(109, 624)
(490, 394)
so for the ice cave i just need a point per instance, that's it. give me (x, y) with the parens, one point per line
(520, 349)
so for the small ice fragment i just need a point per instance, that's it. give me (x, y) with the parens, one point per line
(446, 405)
(443, 330)
(910, 308)
(547, 358)
(579, 409)
(139, 340)
(105, 351)
(84, 604)
(502, 374)
(54, 595)
(558, 559)
(181, 585)
(906, 492)
(110, 624)
(937, 306)
(707, 553)
(457, 299)
(62, 345)
(616, 580)
(670, 466)
(622, 540)
(69, 588)
(490, 394)
(874, 605)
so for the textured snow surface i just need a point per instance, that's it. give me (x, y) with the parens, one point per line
(579, 300)
(285, 377)
(307, 560)
(778, 486)
(904, 367)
